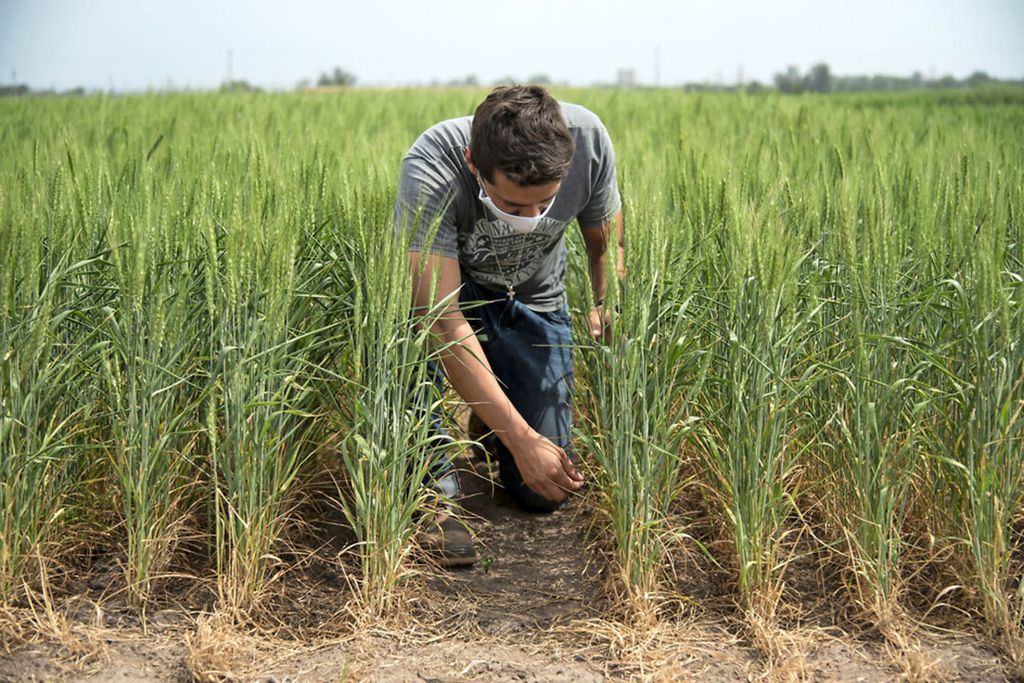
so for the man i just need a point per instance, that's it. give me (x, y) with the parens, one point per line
(488, 199)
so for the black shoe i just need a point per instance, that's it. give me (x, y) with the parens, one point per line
(447, 540)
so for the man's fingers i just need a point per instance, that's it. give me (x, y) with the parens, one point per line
(558, 494)
(565, 482)
(570, 469)
(554, 476)
(557, 486)
(552, 491)
(596, 323)
(601, 325)
(563, 487)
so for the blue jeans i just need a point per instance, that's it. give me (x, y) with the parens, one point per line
(531, 355)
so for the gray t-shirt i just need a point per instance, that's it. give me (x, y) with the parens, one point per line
(436, 189)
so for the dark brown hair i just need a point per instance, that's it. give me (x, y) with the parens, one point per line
(519, 130)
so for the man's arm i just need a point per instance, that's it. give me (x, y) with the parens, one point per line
(544, 466)
(596, 238)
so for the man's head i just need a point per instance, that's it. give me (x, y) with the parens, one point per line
(520, 131)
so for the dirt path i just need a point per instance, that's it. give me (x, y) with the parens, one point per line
(535, 570)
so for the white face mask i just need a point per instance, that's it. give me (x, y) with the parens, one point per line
(520, 225)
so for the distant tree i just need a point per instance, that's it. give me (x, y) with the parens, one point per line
(818, 79)
(238, 86)
(790, 81)
(339, 77)
(539, 79)
(978, 78)
(755, 87)
(470, 81)
(14, 90)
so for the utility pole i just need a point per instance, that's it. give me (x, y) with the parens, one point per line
(230, 75)
(657, 66)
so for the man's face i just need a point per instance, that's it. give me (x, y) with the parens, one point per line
(519, 200)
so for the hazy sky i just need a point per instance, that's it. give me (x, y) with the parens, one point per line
(133, 44)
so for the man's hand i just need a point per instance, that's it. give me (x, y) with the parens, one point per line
(545, 467)
(599, 321)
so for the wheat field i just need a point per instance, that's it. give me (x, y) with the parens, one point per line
(204, 307)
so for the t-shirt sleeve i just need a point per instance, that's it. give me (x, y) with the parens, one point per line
(425, 207)
(604, 188)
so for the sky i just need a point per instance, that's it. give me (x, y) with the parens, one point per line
(139, 44)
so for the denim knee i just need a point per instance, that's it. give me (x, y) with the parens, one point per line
(533, 502)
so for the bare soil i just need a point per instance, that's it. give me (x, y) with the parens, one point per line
(534, 608)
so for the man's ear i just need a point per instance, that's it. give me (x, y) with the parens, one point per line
(469, 160)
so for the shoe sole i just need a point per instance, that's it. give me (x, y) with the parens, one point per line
(449, 562)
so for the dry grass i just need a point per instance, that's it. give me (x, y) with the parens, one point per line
(81, 647)
(12, 630)
(644, 650)
(219, 650)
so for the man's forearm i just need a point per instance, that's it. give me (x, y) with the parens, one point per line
(468, 371)
(545, 467)
(598, 281)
